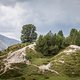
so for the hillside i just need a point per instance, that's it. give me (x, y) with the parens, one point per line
(26, 63)
(6, 42)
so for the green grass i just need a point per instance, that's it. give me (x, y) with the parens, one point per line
(29, 72)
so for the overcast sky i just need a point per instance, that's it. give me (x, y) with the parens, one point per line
(46, 15)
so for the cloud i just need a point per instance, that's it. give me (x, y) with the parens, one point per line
(10, 19)
(11, 2)
(45, 14)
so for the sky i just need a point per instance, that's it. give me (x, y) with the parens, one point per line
(46, 15)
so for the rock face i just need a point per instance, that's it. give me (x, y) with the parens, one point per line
(12, 58)
(5, 42)
(71, 49)
(16, 57)
(19, 55)
(74, 47)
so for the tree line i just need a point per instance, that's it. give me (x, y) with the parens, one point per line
(50, 44)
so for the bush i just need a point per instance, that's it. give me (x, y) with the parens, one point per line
(50, 44)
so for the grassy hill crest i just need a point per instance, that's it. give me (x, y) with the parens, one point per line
(66, 63)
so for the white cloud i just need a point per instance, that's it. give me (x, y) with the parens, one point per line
(11, 19)
(44, 14)
(11, 15)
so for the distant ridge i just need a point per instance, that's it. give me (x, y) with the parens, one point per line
(2, 45)
(5, 42)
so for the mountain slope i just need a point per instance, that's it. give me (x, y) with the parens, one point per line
(2, 45)
(27, 64)
(68, 61)
(5, 42)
